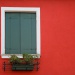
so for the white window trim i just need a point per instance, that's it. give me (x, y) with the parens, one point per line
(19, 9)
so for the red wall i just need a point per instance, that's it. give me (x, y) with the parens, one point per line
(57, 36)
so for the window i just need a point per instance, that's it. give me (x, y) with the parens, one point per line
(20, 31)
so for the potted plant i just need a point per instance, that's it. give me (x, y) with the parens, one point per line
(14, 59)
(26, 63)
(28, 59)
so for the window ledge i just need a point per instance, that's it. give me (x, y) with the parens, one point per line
(19, 55)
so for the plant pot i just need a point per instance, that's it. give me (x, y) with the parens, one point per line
(23, 67)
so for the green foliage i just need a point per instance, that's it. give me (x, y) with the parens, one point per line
(28, 59)
(14, 59)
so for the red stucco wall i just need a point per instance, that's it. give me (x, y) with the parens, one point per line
(57, 36)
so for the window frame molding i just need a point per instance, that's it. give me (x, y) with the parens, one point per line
(19, 9)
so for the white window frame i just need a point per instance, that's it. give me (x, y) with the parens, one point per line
(19, 9)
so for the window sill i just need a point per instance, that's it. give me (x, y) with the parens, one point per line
(19, 55)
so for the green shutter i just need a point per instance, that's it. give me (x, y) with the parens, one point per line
(12, 45)
(20, 33)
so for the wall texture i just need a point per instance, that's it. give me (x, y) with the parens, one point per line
(57, 36)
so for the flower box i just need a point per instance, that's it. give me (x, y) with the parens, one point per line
(22, 67)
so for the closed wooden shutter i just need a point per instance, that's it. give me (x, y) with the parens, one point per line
(20, 36)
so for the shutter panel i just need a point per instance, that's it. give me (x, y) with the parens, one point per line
(28, 33)
(25, 33)
(13, 33)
